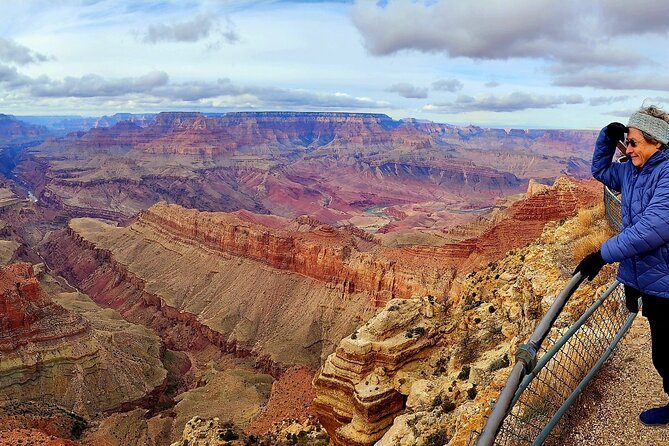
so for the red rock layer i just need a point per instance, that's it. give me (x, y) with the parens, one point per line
(217, 135)
(354, 261)
(27, 315)
(38, 424)
(196, 134)
(292, 398)
(346, 258)
(518, 225)
(525, 219)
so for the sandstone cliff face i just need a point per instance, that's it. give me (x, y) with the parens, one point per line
(55, 355)
(349, 260)
(357, 395)
(194, 296)
(28, 316)
(213, 136)
(453, 359)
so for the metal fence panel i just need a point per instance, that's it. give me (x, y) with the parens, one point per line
(572, 355)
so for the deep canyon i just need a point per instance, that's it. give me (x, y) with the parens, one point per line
(253, 276)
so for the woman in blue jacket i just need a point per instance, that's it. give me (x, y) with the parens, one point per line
(642, 246)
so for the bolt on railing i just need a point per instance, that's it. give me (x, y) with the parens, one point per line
(551, 371)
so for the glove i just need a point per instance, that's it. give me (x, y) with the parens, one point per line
(632, 299)
(590, 265)
(615, 132)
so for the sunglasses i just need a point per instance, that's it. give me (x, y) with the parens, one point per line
(632, 142)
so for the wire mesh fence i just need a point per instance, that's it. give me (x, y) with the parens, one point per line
(612, 209)
(566, 358)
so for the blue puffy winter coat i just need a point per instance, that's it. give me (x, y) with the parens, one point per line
(641, 246)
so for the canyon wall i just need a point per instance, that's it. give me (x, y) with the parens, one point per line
(15, 131)
(340, 168)
(348, 259)
(194, 296)
(86, 362)
(249, 275)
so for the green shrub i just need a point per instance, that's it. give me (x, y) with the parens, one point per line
(500, 363)
(464, 373)
(437, 439)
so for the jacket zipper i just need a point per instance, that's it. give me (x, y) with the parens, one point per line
(629, 216)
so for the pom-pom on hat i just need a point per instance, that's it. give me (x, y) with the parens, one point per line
(655, 127)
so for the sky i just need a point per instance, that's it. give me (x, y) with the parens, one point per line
(510, 63)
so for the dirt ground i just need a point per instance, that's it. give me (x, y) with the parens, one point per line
(607, 414)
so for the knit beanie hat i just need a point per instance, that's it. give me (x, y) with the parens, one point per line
(655, 127)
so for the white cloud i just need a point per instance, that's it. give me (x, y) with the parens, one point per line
(12, 52)
(93, 85)
(607, 100)
(451, 85)
(515, 101)
(568, 31)
(613, 80)
(407, 90)
(199, 28)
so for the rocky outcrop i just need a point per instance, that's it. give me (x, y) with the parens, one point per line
(517, 225)
(58, 356)
(35, 423)
(200, 432)
(524, 221)
(357, 396)
(28, 316)
(449, 361)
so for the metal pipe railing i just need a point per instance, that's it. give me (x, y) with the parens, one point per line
(550, 353)
(561, 373)
(525, 362)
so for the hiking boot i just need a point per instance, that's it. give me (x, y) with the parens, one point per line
(655, 416)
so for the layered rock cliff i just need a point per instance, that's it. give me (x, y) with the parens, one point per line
(348, 259)
(266, 132)
(357, 395)
(14, 131)
(195, 296)
(85, 363)
(28, 316)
